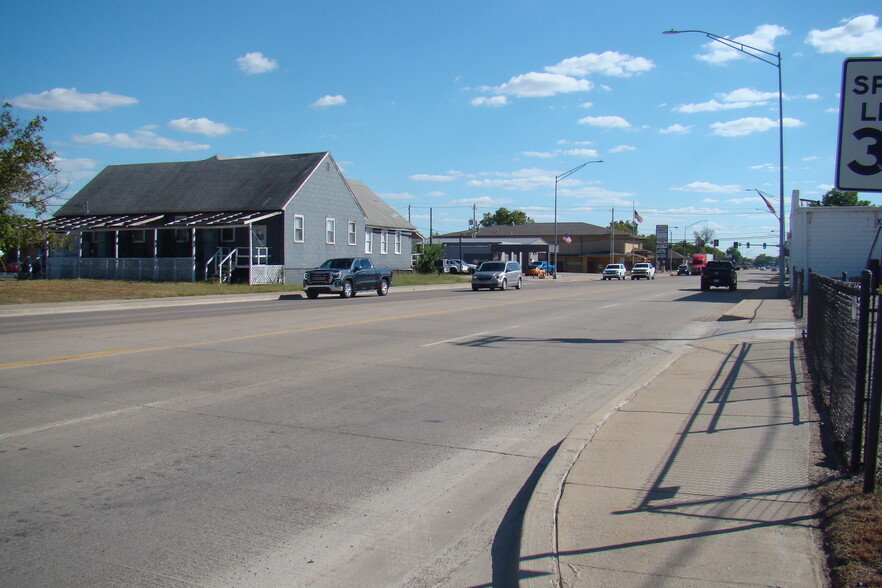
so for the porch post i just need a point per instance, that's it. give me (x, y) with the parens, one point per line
(250, 250)
(193, 253)
(155, 253)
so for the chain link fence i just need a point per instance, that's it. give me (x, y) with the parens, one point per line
(842, 345)
(159, 269)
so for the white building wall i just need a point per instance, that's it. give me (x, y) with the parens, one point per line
(831, 240)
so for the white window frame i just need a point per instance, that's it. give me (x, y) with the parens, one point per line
(301, 230)
(330, 231)
(397, 242)
(368, 241)
(384, 243)
(352, 232)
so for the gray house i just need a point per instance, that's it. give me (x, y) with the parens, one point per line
(252, 220)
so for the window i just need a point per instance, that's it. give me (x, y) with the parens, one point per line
(397, 242)
(353, 236)
(182, 235)
(368, 241)
(228, 235)
(330, 231)
(384, 243)
(139, 236)
(298, 228)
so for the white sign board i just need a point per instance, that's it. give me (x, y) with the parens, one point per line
(859, 157)
(661, 241)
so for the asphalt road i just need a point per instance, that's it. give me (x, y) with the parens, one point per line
(372, 442)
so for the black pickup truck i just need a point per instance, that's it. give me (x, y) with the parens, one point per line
(719, 273)
(346, 276)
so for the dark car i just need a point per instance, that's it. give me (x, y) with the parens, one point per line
(719, 274)
(683, 270)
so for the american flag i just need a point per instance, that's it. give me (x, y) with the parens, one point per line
(637, 217)
(567, 239)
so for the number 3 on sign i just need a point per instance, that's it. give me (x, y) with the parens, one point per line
(873, 149)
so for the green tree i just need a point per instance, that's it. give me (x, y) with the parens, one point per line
(703, 238)
(28, 179)
(839, 198)
(504, 216)
(429, 252)
(625, 226)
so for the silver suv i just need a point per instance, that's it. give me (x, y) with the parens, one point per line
(498, 274)
(614, 270)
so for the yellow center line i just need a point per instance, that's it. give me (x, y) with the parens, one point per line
(115, 352)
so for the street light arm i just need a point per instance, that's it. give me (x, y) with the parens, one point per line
(737, 45)
(574, 170)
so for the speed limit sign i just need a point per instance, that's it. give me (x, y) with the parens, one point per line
(859, 160)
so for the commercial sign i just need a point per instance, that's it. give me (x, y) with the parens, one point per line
(859, 157)
(661, 241)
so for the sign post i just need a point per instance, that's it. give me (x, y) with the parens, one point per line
(859, 156)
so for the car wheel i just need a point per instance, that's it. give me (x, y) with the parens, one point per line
(705, 287)
(348, 291)
(733, 287)
(518, 285)
(384, 287)
(504, 284)
(311, 294)
(474, 288)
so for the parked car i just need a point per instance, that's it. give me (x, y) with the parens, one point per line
(535, 270)
(449, 266)
(719, 273)
(614, 270)
(464, 266)
(498, 274)
(683, 270)
(643, 270)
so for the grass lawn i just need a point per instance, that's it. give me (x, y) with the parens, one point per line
(14, 291)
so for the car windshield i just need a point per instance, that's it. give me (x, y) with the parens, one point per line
(612, 267)
(492, 266)
(342, 263)
(719, 264)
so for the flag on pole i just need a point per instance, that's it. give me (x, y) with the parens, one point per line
(637, 217)
(567, 239)
(768, 204)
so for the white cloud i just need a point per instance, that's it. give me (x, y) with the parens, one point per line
(622, 148)
(448, 177)
(202, 126)
(711, 106)
(494, 101)
(763, 37)
(328, 100)
(676, 129)
(69, 99)
(750, 125)
(610, 63)
(540, 154)
(749, 95)
(140, 139)
(255, 63)
(607, 122)
(76, 169)
(581, 152)
(708, 187)
(534, 85)
(860, 35)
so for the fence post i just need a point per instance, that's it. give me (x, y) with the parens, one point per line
(871, 445)
(860, 384)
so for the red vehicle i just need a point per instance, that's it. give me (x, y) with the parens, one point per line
(699, 261)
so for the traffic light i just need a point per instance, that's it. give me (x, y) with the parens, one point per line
(764, 245)
(736, 244)
(748, 245)
(716, 242)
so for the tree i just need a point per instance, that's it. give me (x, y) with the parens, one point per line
(702, 238)
(429, 253)
(625, 226)
(28, 179)
(838, 198)
(504, 216)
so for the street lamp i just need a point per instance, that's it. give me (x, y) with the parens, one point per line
(773, 59)
(686, 227)
(557, 179)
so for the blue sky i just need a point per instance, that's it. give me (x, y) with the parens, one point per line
(446, 106)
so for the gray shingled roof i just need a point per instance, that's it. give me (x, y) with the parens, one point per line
(214, 184)
(537, 229)
(377, 213)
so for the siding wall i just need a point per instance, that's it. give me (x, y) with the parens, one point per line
(830, 240)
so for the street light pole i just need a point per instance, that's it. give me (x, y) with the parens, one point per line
(557, 179)
(773, 59)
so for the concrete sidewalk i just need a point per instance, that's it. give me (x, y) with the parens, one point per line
(697, 476)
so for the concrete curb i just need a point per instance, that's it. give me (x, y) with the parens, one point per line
(539, 528)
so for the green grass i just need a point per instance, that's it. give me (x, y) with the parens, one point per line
(47, 291)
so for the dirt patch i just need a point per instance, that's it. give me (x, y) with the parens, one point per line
(852, 526)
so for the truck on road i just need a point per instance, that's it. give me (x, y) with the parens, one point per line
(699, 261)
(346, 276)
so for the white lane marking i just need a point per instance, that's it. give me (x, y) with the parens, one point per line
(607, 306)
(455, 339)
